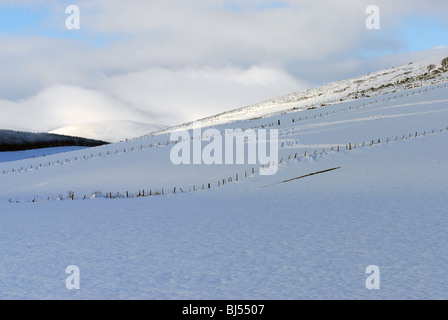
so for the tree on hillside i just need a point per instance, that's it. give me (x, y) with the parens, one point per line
(431, 67)
(445, 63)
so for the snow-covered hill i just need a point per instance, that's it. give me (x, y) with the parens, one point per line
(114, 131)
(407, 76)
(361, 181)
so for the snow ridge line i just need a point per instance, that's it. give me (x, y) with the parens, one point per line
(296, 97)
(336, 102)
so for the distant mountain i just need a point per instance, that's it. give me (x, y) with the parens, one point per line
(114, 131)
(18, 140)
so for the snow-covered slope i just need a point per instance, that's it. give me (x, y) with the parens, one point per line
(407, 76)
(360, 182)
(310, 238)
(113, 131)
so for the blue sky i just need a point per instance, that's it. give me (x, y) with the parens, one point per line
(20, 20)
(41, 20)
(420, 33)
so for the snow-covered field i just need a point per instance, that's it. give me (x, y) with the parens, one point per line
(379, 196)
(312, 238)
(26, 154)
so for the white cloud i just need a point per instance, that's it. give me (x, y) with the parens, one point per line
(60, 105)
(154, 95)
(192, 93)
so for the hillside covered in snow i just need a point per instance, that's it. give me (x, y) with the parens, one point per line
(359, 179)
(410, 75)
